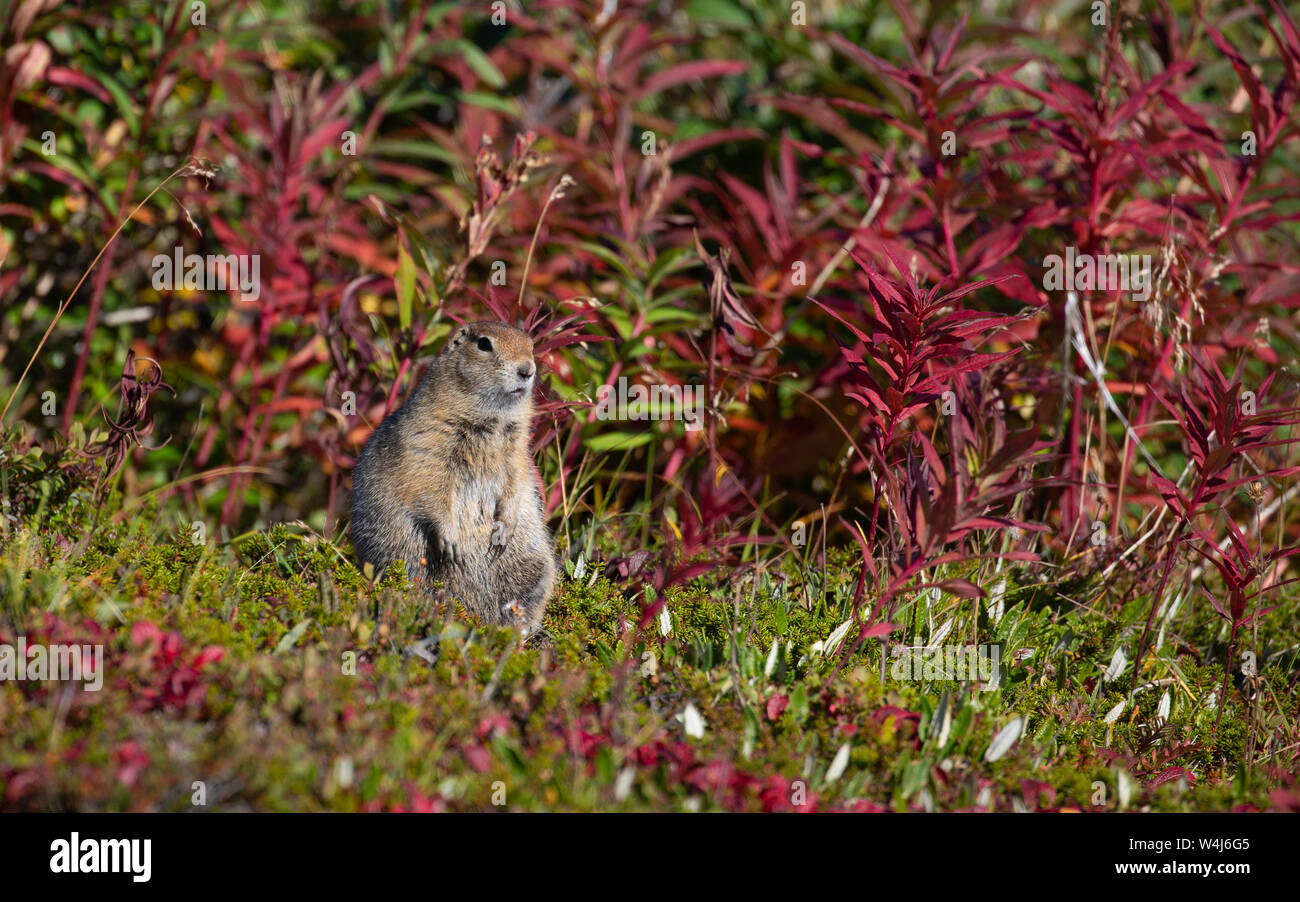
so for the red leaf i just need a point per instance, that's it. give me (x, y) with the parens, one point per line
(962, 588)
(879, 629)
(688, 72)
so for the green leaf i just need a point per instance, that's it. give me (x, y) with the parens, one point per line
(390, 194)
(612, 259)
(290, 639)
(121, 98)
(798, 703)
(479, 62)
(507, 752)
(491, 102)
(405, 286)
(668, 262)
(475, 58)
(916, 775)
(718, 11)
(401, 102)
(619, 441)
(666, 314)
(604, 765)
(752, 728)
(412, 149)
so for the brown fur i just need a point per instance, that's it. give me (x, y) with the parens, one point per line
(447, 485)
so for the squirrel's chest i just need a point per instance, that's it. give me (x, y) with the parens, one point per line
(479, 476)
(470, 461)
(478, 456)
(475, 502)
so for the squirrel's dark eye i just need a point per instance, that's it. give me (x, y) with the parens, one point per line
(485, 344)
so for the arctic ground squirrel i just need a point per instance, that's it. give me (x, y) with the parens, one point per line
(446, 483)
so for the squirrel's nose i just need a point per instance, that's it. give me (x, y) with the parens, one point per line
(525, 370)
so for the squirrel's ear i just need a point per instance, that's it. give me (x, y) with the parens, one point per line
(456, 339)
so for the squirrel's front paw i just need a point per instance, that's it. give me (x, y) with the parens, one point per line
(447, 551)
(505, 519)
(502, 530)
(439, 547)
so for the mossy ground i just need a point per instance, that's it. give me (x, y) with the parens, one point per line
(274, 674)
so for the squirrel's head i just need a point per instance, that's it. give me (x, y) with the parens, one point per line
(493, 361)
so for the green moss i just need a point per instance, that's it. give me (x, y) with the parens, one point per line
(280, 722)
